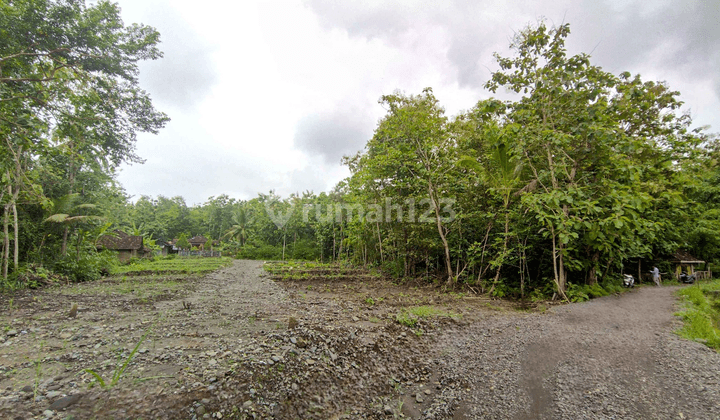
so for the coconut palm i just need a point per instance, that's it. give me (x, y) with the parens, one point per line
(65, 211)
(238, 230)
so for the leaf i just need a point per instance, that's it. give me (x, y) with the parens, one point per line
(57, 218)
(98, 378)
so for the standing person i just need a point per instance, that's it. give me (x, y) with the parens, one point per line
(656, 275)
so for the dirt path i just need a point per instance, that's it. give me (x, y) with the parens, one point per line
(235, 344)
(614, 357)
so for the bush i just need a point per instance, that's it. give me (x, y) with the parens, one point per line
(89, 267)
(33, 276)
(262, 252)
(305, 250)
(394, 268)
(576, 293)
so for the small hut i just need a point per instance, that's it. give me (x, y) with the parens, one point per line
(683, 262)
(198, 242)
(168, 247)
(127, 246)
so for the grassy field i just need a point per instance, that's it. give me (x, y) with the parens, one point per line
(702, 313)
(179, 265)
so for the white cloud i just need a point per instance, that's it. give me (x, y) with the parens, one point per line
(268, 95)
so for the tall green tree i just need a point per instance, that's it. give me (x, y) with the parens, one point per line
(69, 84)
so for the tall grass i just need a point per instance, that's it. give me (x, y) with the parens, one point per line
(701, 315)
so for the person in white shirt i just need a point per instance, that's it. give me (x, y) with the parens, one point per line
(656, 275)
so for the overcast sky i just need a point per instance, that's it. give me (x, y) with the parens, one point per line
(271, 94)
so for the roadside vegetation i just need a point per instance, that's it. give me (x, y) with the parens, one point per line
(701, 314)
(172, 265)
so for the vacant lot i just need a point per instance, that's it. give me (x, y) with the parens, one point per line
(312, 341)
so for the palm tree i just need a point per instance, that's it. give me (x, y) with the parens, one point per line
(66, 212)
(238, 230)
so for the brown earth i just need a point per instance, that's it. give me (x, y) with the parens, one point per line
(237, 344)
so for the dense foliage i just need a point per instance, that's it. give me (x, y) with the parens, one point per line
(581, 176)
(70, 108)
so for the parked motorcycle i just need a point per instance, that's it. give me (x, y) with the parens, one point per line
(687, 279)
(628, 280)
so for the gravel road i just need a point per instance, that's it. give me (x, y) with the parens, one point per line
(611, 358)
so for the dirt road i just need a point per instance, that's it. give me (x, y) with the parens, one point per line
(236, 344)
(610, 358)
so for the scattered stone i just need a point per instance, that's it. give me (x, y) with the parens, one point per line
(419, 399)
(292, 323)
(65, 402)
(48, 413)
(27, 388)
(388, 410)
(200, 410)
(53, 394)
(12, 333)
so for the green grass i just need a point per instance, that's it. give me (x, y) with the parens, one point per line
(701, 315)
(180, 265)
(144, 288)
(410, 316)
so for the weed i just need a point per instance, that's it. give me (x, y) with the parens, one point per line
(370, 301)
(410, 316)
(119, 370)
(494, 308)
(374, 320)
(38, 371)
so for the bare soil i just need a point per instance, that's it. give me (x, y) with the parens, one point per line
(238, 344)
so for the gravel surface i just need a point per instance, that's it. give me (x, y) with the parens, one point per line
(236, 344)
(610, 358)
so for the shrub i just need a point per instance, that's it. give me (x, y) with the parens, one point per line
(262, 252)
(88, 267)
(33, 276)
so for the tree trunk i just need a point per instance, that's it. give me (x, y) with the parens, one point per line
(340, 249)
(6, 242)
(558, 268)
(71, 179)
(448, 263)
(592, 276)
(16, 251)
(377, 223)
(507, 231)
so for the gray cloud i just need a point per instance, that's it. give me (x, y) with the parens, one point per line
(185, 74)
(333, 134)
(622, 36)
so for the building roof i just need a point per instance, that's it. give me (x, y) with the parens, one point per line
(197, 239)
(682, 257)
(120, 240)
